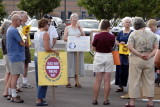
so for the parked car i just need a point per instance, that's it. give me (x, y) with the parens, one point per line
(88, 25)
(68, 22)
(116, 29)
(34, 28)
(60, 23)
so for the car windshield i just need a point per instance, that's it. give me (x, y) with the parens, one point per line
(89, 24)
(34, 23)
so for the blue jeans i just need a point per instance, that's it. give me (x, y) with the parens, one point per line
(41, 90)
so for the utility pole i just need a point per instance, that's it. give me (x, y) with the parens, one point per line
(64, 10)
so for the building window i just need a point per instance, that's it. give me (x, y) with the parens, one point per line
(90, 16)
(83, 15)
(62, 15)
(69, 14)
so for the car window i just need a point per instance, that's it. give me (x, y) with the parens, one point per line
(34, 23)
(89, 24)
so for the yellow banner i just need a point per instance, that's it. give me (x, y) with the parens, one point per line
(24, 32)
(26, 29)
(123, 49)
(52, 69)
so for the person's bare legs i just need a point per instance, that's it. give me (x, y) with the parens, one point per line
(7, 75)
(132, 101)
(150, 101)
(97, 85)
(25, 70)
(14, 78)
(107, 87)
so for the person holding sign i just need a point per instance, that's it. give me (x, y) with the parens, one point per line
(26, 84)
(143, 45)
(121, 76)
(103, 60)
(42, 44)
(74, 30)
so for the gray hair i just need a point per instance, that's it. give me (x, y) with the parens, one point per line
(74, 15)
(126, 19)
(138, 23)
(14, 12)
(23, 13)
(5, 26)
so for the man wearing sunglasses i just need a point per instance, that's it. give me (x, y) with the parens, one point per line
(16, 55)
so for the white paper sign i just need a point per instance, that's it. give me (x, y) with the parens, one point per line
(78, 44)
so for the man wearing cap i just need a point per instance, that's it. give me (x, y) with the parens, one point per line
(52, 31)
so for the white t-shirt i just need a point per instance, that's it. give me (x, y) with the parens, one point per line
(52, 33)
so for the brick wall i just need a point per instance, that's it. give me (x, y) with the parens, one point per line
(71, 7)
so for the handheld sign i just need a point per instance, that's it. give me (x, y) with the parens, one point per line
(78, 44)
(52, 69)
(123, 49)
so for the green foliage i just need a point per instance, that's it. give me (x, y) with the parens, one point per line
(109, 9)
(38, 7)
(2, 10)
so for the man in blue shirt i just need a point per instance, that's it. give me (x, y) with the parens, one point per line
(16, 55)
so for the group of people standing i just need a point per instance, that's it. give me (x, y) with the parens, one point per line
(16, 55)
(136, 70)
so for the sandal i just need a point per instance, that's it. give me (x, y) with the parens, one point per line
(95, 102)
(78, 85)
(106, 102)
(68, 85)
(128, 105)
(119, 90)
(18, 90)
(41, 104)
(5, 95)
(9, 97)
(17, 99)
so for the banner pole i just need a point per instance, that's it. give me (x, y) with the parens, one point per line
(54, 96)
(77, 68)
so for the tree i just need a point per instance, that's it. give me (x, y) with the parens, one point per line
(38, 7)
(2, 10)
(109, 9)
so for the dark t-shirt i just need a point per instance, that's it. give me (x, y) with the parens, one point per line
(104, 42)
(123, 37)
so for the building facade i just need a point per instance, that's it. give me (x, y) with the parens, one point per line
(71, 7)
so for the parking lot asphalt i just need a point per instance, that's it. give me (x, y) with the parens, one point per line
(65, 97)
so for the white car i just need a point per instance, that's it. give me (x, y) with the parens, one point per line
(34, 28)
(88, 25)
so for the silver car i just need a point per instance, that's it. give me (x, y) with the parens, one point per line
(88, 25)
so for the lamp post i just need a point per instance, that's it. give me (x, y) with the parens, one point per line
(64, 10)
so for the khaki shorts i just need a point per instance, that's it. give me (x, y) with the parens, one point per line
(6, 62)
(103, 62)
(16, 67)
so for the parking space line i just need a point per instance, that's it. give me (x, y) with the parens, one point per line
(28, 72)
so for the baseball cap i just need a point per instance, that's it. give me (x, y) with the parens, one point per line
(47, 16)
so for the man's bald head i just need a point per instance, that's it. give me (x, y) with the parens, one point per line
(16, 20)
(16, 17)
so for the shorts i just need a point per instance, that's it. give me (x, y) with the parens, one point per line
(16, 67)
(6, 62)
(103, 62)
(27, 55)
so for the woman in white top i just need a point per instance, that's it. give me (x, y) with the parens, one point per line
(74, 30)
(42, 44)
